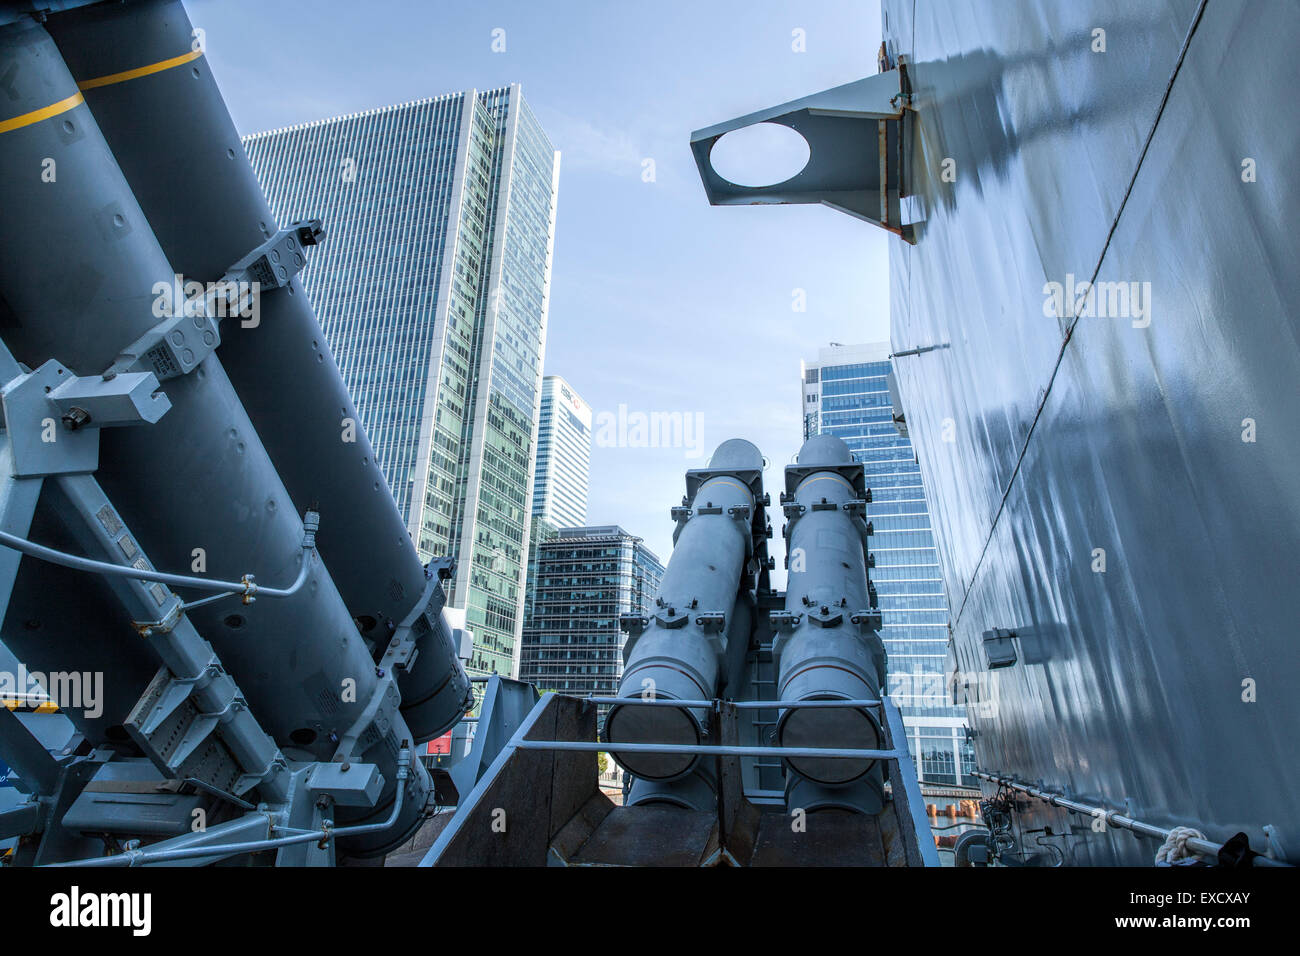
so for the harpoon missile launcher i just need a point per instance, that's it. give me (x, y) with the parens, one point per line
(699, 640)
(749, 721)
(827, 643)
(695, 643)
(169, 403)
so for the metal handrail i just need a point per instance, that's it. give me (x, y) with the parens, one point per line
(891, 720)
(738, 704)
(718, 750)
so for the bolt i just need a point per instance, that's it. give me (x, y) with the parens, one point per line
(75, 417)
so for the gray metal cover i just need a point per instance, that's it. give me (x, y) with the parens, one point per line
(1165, 682)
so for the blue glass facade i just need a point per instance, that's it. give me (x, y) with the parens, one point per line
(846, 393)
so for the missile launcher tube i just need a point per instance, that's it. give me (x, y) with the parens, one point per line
(827, 654)
(695, 791)
(199, 477)
(698, 789)
(689, 645)
(193, 181)
(72, 253)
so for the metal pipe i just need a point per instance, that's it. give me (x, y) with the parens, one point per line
(839, 753)
(247, 587)
(738, 704)
(1113, 817)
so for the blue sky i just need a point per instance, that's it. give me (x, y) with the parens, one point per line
(659, 301)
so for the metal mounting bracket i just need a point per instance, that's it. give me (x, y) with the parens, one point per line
(53, 417)
(856, 134)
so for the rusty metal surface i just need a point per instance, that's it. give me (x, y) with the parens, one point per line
(651, 835)
(831, 838)
(1044, 439)
(526, 797)
(570, 838)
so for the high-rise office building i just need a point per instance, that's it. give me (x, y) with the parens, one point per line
(432, 289)
(563, 456)
(846, 393)
(561, 476)
(586, 578)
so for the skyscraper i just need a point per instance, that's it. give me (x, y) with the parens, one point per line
(563, 456)
(432, 290)
(586, 578)
(846, 393)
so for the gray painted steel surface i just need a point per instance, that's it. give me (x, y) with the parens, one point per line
(53, 279)
(199, 193)
(79, 269)
(1162, 686)
(827, 649)
(688, 649)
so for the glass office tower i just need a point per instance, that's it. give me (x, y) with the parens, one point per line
(586, 578)
(846, 393)
(561, 477)
(563, 456)
(432, 288)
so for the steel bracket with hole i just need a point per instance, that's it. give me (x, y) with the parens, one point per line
(856, 135)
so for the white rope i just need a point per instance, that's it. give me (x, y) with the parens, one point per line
(1175, 846)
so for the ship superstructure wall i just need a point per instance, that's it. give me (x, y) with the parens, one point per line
(1112, 478)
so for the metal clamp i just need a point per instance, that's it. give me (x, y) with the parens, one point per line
(826, 616)
(180, 342)
(633, 624)
(711, 621)
(163, 624)
(672, 618)
(868, 620)
(272, 264)
(34, 402)
(784, 621)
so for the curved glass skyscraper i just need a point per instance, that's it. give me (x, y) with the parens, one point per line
(846, 393)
